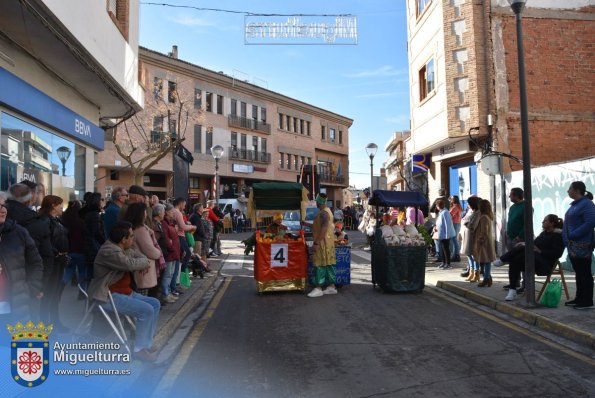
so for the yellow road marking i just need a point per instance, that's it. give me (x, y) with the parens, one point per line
(518, 329)
(167, 381)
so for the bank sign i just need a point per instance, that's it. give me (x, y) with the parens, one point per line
(23, 97)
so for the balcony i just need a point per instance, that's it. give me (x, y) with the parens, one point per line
(249, 155)
(331, 179)
(248, 124)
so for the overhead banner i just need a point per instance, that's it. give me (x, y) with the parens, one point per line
(421, 163)
(300, 29)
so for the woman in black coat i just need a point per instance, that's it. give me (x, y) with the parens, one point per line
(548, 247)
(21, 273)
(94, 238)
(51, 209)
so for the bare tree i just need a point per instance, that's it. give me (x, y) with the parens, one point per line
(147, 137)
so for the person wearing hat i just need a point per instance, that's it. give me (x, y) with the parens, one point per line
(323, 250)
(137, 194)
(276, 227)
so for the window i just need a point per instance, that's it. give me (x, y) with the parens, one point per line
(197, 138)
(426, 80)
(296, 162)
(219, 104)
(254, 112)
(263, 115)
(243, 138)
(421, 6)
(281, 118)
(295, 125)
(234, 107)
(172, 94)
(255, 144)
(157, 130)
(194, 182)
(157, 88)
(340, 136)
(288, 122)
(242, 109)
(234, 140)
(323, 132)
(281, 159)
(173, 127)
(209, 102)
(263, 145)
(303, 161)
(331, 135)
(308, 129)
(301, 126)
(309, 160)
(209, 141)
(118, 12)
(197, 98)
(288, 161)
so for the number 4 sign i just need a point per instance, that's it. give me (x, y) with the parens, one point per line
(279, 255)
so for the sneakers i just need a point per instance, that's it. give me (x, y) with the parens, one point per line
(444, 266)
(583, 306)
(570, 303)
(511, 295)
(497, 263)
(145, 355)
(170, 298)
(329, 290)
(367, 248)
(316, 292)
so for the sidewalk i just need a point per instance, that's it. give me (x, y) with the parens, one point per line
(577, 326)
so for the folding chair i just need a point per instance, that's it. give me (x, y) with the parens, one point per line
(117, 329)
(558, 270)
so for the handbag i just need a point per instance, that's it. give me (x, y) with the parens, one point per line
(580, 249)
(185, 279)
(190, 239)
(553, 293)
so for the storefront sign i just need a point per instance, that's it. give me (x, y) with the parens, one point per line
(242, 168)
(451, 150)
(23, 97)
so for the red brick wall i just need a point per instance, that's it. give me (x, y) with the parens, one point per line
(560, 71)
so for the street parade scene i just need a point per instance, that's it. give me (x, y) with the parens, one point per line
(337, 199)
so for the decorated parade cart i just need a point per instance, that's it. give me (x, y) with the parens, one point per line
(280, 262)
(399, 254)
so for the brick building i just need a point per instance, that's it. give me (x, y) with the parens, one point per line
(266, 136)
(464, 89)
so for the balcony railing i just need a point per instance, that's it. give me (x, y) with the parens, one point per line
(331, 179)
(248, 124)
(246, 154)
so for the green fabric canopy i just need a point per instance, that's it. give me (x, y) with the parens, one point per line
(277, 196)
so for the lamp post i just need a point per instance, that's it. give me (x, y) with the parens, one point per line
(217, 152)
(63, 154)
(517, 7)
(371, 149)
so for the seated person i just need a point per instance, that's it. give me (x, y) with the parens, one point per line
(115, 262)
(548, 249)
(276, 227)
(339, 232)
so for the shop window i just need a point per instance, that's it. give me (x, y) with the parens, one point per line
(31, 153)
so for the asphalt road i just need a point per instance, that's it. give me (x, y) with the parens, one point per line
(362, 343)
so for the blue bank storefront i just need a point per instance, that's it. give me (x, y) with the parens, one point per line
(44, 141)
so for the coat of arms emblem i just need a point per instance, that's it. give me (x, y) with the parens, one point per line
(30, 358)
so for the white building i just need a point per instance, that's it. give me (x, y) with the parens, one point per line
(68, 68)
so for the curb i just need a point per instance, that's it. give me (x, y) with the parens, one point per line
(576, 335)
(171, 326)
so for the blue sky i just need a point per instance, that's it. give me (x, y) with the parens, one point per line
(367, 82)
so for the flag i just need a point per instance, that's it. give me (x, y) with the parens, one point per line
(420, 162)
(184, 153)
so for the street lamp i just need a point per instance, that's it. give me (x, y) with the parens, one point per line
(63, 154)
(517, 7)
(371, 149)
(217, 152)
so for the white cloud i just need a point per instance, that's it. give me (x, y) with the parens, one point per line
(386, 70)
(378, 95)
(399, 119)
(191, 21)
